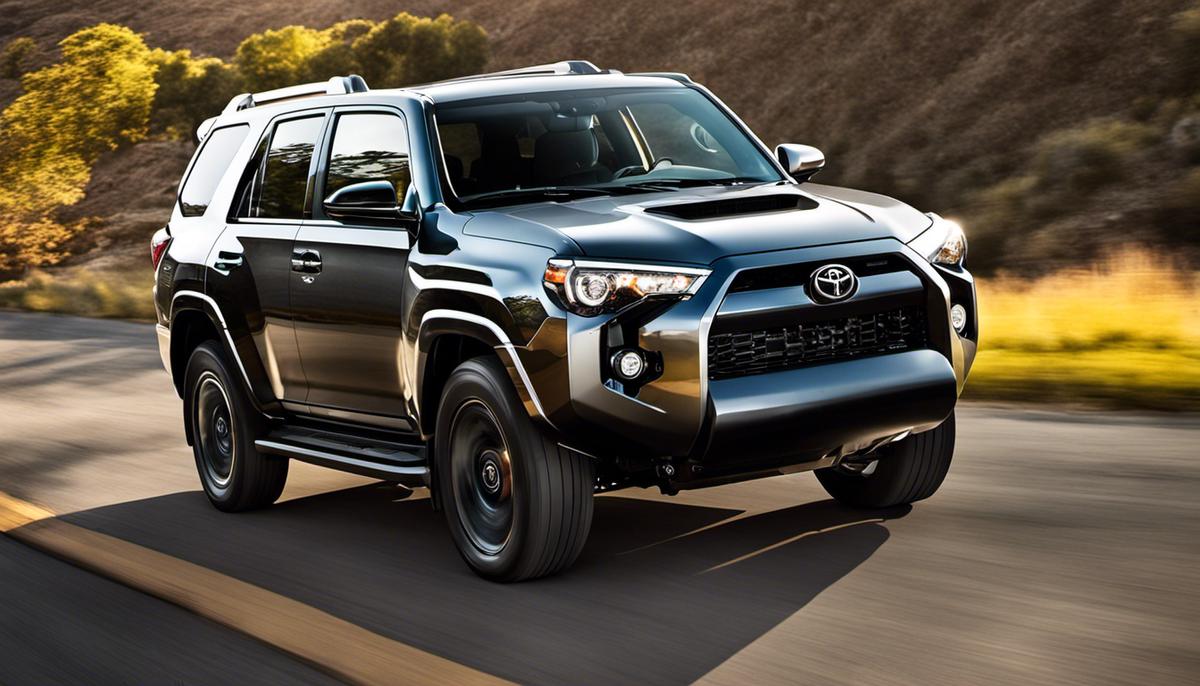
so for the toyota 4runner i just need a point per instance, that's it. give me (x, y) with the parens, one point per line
(523, 288)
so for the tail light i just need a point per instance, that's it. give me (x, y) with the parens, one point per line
(158, 245)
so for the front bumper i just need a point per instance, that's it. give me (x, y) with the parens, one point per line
(750, 422)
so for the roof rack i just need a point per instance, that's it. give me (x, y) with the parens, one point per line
(338, 85)
(562, 68)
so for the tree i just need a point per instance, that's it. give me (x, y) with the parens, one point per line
(190, 90)
(277, 58)
(407, 49)
(97, 98)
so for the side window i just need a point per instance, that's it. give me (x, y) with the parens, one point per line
(368, 146)
(278, 186)
(211, 162)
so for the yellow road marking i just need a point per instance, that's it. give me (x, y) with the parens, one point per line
(16, 513)
(786, 541)
(334, 645)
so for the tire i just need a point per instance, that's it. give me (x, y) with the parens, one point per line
(224, 425)
(907, 471)
(518, 505)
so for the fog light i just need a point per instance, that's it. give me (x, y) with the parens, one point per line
(629, 364)
(958, 317)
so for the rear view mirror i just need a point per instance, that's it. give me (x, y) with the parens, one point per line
(801, 161)
(370, 200)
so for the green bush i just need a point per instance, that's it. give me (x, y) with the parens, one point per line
(1084, 159)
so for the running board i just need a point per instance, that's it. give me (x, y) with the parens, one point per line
(368, 457)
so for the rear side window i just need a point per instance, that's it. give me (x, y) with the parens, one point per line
(368, 146)
(211, 162)
(278, 186)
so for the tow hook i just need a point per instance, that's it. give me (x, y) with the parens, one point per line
(666, 472)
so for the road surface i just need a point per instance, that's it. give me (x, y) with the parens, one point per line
(1063, 548)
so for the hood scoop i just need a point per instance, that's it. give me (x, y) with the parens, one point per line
(731, 207)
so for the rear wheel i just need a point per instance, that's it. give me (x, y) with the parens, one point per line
(905, 472)
(519, 506)
(224, 426)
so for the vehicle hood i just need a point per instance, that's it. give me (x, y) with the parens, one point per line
(699, 226)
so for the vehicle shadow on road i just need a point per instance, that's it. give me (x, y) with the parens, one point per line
(652, 600)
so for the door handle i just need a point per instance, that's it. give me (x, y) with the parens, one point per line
(227, 261)
(306, 261)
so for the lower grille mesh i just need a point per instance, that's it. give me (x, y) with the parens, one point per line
(801, 345)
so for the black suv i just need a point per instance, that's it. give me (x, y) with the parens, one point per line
(523, 288)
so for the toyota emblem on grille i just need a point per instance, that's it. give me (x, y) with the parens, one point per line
(832, 283)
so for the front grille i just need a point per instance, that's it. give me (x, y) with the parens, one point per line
(809, 343)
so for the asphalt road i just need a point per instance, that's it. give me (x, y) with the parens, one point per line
(1063, 548)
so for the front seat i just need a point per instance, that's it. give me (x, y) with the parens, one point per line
(499, 165)
(568, 158)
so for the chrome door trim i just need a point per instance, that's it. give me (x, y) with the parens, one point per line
(324, 231)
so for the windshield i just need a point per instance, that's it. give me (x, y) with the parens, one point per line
(564, 145)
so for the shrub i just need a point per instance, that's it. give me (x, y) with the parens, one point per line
(1083, 159)
(15, 56)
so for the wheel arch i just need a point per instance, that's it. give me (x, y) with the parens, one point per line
(448, 338)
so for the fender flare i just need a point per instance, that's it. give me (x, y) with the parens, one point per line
(439, 322)
(187, 300)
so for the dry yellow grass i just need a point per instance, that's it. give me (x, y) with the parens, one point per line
(1125, 332)
(118, 294)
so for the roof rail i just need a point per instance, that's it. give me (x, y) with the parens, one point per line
(673, 75)
(554, 69)
(337, 85)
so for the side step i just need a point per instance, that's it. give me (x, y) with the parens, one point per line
(378, 459)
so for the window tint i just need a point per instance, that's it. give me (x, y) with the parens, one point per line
(279, 189)
(676, 135)
(214, 157)
(368, 146)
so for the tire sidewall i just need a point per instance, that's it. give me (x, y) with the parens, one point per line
(207, 362)
(479, 380)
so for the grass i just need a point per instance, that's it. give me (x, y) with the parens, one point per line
(1123, 333)
(121, 295)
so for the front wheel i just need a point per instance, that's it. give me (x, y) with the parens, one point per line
(519, 506)
(906, 471)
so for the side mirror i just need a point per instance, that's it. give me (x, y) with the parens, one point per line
(371, 200)
(801, 161)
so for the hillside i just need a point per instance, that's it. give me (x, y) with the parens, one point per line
(929, 100)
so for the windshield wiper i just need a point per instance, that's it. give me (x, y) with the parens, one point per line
(672, 184)
(511, 195)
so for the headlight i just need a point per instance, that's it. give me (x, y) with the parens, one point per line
(591, 288)
(943, 243)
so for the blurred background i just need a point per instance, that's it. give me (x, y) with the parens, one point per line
(1063, 134)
